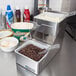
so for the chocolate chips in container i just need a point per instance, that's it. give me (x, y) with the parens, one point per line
(32, 52)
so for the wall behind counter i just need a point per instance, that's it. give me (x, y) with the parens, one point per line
(63, 5)
(17, 3)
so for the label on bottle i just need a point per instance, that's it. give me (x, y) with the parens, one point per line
(18, 15)
(26, 15)
(9, 18)
(42, 3)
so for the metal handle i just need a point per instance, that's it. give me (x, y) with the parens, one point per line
(54, 47)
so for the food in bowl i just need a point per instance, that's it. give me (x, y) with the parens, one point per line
(21, 28)
(22, 25)
(32, 52)
(5, 33)
(8, 44)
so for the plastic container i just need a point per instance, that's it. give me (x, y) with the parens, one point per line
(5, 33)
(9, 16)
(8, 44)
(21, 28)
(26, 16)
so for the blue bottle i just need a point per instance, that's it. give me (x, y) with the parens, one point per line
(9, 16)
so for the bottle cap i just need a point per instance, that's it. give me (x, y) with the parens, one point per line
(8, 7)
(17, 8)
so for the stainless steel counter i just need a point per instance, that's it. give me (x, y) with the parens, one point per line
(63, 64)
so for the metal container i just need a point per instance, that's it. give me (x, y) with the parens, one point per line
(54, 21)
(49, 39)
(31, 65)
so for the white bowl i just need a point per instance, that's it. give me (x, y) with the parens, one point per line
(8, 44)
(5, 33)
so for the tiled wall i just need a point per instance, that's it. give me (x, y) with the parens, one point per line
(63, 5)
(73, 3)
(17, 3)
(55, 5)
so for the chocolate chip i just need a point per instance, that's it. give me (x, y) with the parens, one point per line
(32, 52)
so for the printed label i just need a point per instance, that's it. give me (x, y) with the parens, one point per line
(41, 3)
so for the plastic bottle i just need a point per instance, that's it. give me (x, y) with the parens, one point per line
(0, 18)
(18, 15)
(40, 3)
(9, 16)
(3, 19)
(26, 16)
(43, 5)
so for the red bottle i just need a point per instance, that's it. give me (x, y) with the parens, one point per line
(26, 16)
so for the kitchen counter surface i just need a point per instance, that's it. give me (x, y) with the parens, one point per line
(63, 64)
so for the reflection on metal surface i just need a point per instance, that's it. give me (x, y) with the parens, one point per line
(24, 72)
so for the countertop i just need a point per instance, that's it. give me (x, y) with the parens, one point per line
(63, 64)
